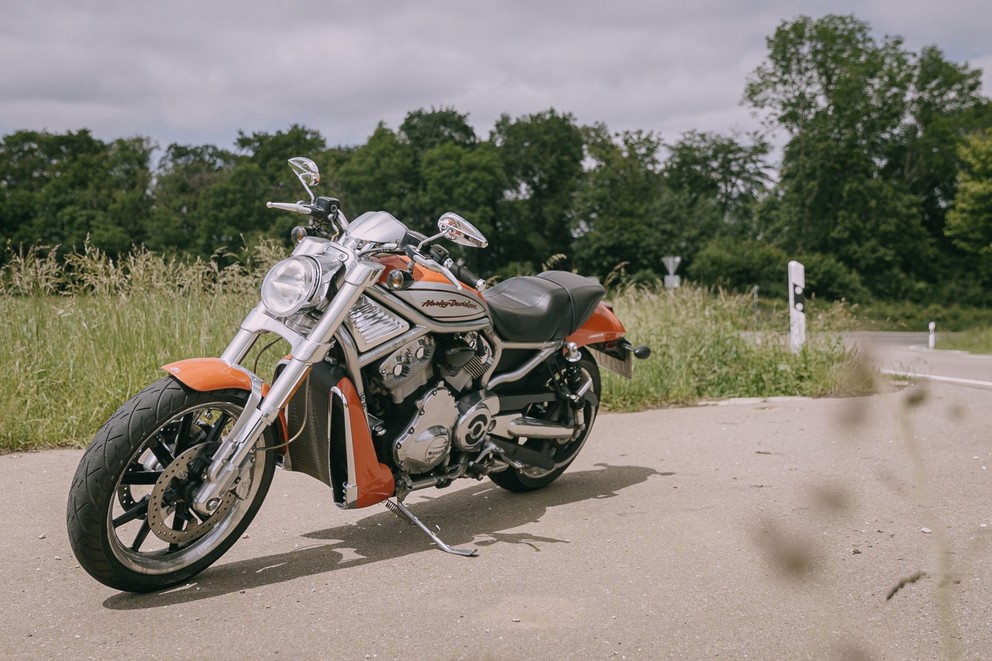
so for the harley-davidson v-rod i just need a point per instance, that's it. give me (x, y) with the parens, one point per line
(405, 372)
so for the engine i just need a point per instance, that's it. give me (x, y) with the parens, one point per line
(433, 369)
(405, 370)
(442, 423)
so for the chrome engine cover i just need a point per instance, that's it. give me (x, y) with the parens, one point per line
(426, 442)
(405, 370)
(476, 415)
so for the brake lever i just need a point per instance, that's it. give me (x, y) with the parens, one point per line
(431, 265)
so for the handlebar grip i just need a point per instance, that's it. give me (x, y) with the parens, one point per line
(466, 276)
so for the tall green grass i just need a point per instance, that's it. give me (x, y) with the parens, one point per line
(714, 345)
(974, 340)
(80, 335)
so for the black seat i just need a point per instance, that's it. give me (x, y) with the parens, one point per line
(549, 306)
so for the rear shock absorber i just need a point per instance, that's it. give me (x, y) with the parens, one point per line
(577, 385)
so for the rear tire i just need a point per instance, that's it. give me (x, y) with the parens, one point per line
(531, 479)
(129, 519)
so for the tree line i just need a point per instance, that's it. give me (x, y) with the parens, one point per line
(883, 186)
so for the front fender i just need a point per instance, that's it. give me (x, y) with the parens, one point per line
(206, 374)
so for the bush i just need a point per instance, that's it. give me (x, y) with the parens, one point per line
(741, 265)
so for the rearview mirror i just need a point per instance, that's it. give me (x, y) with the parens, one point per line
(457, 229)
(307, 172)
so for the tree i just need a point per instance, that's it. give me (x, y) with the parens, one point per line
(380, 175)
(969, 222)
(63, 188)
(542, 157)
(468, 180)
(714, 170)
(184, 175)
(424, 130)
(866, 172)
(615, 206)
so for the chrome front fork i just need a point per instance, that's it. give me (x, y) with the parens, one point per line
(223, 473)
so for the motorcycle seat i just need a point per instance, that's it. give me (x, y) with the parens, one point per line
(548, 306)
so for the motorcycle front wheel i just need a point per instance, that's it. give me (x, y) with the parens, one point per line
(129, 517)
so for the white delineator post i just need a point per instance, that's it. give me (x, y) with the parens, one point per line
(932, 337)
(672, 262)
(797, 306)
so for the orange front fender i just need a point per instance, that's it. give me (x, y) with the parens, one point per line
(602, 326)
(206, 374)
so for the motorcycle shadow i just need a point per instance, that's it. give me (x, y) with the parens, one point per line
(472, 516)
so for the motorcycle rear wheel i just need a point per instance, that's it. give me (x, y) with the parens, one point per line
(129, 518)
(531, 478)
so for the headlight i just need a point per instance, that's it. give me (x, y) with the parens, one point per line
(290, 285)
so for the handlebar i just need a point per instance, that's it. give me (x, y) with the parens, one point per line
(295, 207)
(462, 273)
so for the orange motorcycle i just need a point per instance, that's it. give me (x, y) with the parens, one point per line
(405, 372)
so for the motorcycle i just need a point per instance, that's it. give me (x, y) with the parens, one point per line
(405, 372)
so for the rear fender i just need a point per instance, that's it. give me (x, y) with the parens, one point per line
(601, 327)
(602, 335)
(206, 374)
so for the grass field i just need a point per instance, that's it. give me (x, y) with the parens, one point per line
(80, 337)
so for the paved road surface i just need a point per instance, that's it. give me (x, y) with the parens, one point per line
(765, 530)
(908, 353)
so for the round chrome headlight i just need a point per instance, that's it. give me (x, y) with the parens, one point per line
(290, 285)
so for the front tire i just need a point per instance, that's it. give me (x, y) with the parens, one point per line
(129, 517)
(531, 478)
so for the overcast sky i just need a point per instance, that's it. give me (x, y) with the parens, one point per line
(196, 72)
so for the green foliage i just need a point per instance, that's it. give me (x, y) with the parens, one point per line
(882, 186)
(741, 265)
(424, 130)
(870, 165)
(973, 341)
(903, 316)
(712, 346)
(379, 175)
(542, 158)
(615, 219)
(969, 223)
(732, 174)
(62, 188)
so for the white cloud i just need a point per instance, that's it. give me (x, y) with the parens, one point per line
(196, 72)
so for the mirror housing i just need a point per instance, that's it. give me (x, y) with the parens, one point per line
(458, 230)
(307, 172)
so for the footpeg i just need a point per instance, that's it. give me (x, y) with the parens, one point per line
(401, 510)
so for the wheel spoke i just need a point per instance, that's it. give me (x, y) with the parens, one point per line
(161, 451)
(140, 476)
(139, 539)
(138, 511)
(218, 427)
(180, 517)
(183, 439)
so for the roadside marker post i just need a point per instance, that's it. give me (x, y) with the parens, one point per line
(797, 306)
(932, 337)
(671, 263)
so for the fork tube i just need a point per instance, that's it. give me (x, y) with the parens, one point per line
(237, 447)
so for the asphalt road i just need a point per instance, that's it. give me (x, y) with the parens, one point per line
(755, 529)
(908, 353)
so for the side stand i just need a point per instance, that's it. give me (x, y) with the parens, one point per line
(401, 510)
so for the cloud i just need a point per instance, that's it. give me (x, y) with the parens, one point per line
(194, 72)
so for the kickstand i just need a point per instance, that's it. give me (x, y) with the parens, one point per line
(404, 513)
